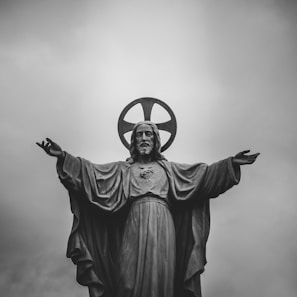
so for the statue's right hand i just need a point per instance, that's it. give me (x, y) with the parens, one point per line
(51, 148)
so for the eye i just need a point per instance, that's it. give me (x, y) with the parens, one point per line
(149, 133)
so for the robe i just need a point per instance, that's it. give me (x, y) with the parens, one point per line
(100, 202)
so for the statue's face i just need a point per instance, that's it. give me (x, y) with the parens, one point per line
(145, 139)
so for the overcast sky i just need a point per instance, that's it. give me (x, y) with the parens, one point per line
(228, 70)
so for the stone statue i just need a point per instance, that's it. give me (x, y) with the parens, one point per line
(140, 226)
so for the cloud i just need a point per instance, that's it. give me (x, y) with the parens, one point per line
(228, 71)
(41, 274)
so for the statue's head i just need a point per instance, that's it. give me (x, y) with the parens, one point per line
(145, 141)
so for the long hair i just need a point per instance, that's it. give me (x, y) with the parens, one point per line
(157, 147)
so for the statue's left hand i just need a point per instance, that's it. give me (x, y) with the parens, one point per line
(52, 148)
(243, 159)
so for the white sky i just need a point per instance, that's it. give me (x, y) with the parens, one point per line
(226, 68)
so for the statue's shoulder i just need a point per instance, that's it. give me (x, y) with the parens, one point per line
(110, 165)
(184, 166)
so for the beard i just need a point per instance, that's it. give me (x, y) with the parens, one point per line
(144, 149)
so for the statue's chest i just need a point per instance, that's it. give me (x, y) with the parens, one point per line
(148, 179)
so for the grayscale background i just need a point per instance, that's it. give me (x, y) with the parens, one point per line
(228, 70)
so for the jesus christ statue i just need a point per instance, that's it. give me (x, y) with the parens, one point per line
(140, 226)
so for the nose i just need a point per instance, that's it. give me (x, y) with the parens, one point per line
(144, 136)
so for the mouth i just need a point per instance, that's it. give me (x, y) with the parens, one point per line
(144, 144)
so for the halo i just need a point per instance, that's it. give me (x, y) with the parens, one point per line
(147, 104)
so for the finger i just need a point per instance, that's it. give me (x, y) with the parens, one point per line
(241, 154)
(41, 144)
(253, 157)
(49, 140)
(245, 152)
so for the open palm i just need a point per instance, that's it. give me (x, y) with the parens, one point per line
(243, 159)
(51, 148)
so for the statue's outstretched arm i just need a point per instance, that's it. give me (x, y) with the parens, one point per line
(52, 148)
(243, 159)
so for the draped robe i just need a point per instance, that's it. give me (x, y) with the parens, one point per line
(100, 202)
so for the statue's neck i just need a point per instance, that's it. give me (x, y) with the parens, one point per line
(145, 159)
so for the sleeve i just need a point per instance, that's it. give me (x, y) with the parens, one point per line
(96, 199)
(101, 185)
(219, 177)
(69, 172)
(185, 180)
(195, 183)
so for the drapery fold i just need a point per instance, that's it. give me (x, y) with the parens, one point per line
(99, 197)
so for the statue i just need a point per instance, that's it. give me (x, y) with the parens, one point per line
(140, 226)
